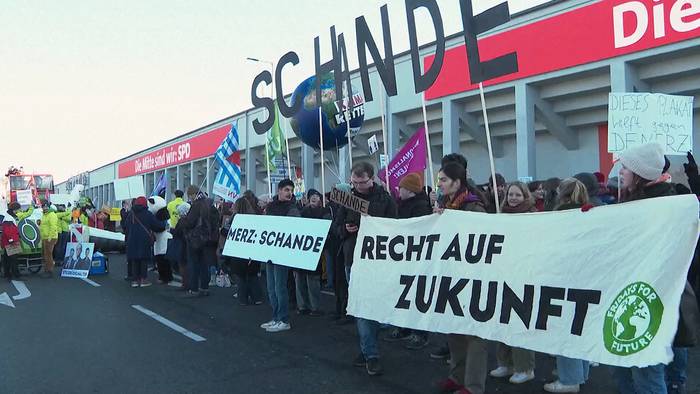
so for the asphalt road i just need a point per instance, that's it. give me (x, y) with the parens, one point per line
(72, 337)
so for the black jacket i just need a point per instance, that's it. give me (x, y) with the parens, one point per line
(140, 225)
(282, 208)
(418, 205)
(202, 213)
(381, 204)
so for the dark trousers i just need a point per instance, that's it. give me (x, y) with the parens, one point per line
(341, 286)
(249, 289)
(139, 269)
(9, 265)
(165, 271)
(198, 267)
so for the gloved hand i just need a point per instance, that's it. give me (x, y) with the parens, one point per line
(691, 167)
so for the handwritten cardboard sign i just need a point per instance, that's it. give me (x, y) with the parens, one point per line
(640, 118)
(350, 201)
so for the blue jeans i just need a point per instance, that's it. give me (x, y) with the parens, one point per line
(277, 291)
(647, 380)
(368, 331)
(572, 371)
(677, 371)
(198, 268)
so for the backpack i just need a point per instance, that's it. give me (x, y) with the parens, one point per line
(206, 231)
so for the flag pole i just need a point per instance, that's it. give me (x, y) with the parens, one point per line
(323, 171)
(427, 142)
(386, 142)
(494, 184)
(267, 165)
(286, 142)
(347, 123)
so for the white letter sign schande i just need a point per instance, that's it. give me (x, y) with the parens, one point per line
(291, 241)
(486, 275)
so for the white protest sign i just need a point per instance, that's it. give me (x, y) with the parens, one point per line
(128, 188)
(291, 241)
(24, 197)
(640, 118)
(480, 274)
(61, 199)
(372, 145)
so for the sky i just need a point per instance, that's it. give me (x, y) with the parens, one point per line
(85, 83)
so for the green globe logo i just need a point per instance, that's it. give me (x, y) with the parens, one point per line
(633, 319)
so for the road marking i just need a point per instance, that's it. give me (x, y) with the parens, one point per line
(22, 289)
(6, 300)
(91, 282)
(169, 324)
(175, 284)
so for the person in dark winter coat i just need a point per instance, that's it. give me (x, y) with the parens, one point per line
(413, 203)
(308, 283)
(201, 227)
(381, 204)
(469, 354)
(245, 270)
(177, 247)
(284, 204)
(642, 167)
(140, 226)
(691, 171)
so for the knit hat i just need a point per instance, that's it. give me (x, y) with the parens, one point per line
(141, 201)
(646, 160)
(412, 182)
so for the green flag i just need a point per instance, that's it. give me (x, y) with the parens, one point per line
(275, 141)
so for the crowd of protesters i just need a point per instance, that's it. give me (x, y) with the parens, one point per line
(199, 226)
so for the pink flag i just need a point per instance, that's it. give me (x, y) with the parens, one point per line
(411, 158)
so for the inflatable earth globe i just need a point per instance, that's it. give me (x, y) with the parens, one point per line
(305, 123)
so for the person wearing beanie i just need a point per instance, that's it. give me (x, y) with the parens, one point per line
(642, 168)
(413, 202)
(313, 192)
(639, 179)
(308, 283)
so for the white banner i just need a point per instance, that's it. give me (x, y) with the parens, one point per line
(128, 188)
(291, 241)
(603, 285)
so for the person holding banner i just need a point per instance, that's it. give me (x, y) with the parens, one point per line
(413, 203)
(308, 283)
(517, 363)
(572, 373)
(469, 354)
(642, 167)
(245, 270)
(381, 204)
(283, 204)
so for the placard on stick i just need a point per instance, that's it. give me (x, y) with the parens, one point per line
(128, 188)
(350, 201)
(640, 118)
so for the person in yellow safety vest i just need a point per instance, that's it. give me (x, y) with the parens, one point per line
(64, 218)
(48, 227)
(172, 207)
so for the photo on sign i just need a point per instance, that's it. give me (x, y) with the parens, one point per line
(78, 259)
(373, 144)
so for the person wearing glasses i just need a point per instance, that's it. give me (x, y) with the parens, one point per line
(381, 204)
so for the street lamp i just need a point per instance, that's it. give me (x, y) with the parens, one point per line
(272, 73)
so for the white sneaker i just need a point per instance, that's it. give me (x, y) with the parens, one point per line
(558, 387)
(501, 372)
(522, 377)
(279, 326)
(268, 324)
